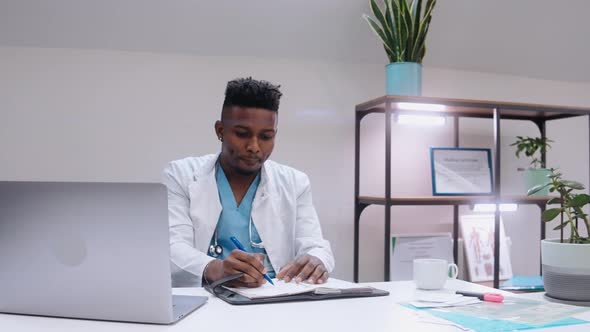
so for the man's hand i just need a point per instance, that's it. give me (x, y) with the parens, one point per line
(238, 262)
(306, 267)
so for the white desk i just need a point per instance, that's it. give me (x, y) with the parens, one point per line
(363, 314)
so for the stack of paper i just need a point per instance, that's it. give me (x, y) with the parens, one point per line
(440, 299)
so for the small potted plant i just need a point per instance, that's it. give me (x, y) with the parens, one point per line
(402, 26)
(565, 263)
(536, 174)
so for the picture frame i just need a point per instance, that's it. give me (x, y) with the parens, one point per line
(461, 171)
(477, 231)
(407, 247)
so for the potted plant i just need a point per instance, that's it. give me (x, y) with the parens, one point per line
(565, 263)
(536, 174)
(402, 26)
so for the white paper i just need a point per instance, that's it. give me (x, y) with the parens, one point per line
(282, 288)
(441, 299)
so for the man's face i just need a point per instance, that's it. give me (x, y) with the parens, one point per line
(248, 136)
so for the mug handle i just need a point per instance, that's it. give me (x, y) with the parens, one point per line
(453, 271)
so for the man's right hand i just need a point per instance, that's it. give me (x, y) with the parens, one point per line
(238, 261)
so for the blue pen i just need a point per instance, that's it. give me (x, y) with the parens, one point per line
(241, 247)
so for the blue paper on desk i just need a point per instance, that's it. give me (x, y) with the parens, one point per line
(514, 314)
(498, 325)
(524, 283)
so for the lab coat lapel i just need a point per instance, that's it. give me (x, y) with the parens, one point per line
(266, 217)
(205, 205)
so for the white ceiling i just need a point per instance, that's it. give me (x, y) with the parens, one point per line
(545, 39)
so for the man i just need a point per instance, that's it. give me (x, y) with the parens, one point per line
(265, 205)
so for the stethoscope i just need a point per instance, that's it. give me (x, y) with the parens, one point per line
(216, 250)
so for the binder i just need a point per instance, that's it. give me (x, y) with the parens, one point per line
(234, 298)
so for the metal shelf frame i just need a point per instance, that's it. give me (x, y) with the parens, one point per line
(456, 109)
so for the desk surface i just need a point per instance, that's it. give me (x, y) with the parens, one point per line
(363, 314)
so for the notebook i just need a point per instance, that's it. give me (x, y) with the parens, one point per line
(292, 291)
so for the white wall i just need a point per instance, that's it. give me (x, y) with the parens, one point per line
(120, 116)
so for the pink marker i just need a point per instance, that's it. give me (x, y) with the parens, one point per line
(489, 297)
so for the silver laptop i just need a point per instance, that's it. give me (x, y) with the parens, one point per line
(88, 250)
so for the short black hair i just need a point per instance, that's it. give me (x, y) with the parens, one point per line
(248, 92)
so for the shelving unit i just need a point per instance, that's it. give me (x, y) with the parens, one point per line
(455, 108)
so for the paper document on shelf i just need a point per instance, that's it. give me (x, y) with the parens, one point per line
(282, 288)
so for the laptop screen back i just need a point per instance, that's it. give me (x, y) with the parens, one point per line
(85, 250)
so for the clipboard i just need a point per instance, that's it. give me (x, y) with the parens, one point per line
(231, 297)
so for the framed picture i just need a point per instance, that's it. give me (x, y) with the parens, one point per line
(478, 240)
(407, 247)
(461, 171)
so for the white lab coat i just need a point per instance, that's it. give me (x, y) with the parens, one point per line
(282, 212)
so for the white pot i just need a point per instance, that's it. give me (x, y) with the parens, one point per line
(566, 270)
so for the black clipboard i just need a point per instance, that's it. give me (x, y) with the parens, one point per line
(231, 297)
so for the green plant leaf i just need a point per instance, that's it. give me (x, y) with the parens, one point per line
(416, 12)
(409, 27)
(580, 200)
(554, 200)
(378, 13)
(550, 214)
(392, 29)
(573, 184)
(378, 31)
(420, 47)
(560, 226)
(391, 17)
(385, 25)
(402, 26)
(390, 22)
(537, 188)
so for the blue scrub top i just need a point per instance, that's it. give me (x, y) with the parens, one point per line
(235, 220)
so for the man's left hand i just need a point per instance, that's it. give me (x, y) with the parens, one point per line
(305, 268)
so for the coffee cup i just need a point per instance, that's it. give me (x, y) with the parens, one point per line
(432, 273)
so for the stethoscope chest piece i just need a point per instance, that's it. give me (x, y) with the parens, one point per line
(215, 250)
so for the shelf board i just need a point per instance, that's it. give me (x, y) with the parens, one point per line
(476, 108)
(453, 200)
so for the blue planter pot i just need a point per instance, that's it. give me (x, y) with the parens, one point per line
(535, 177)
(403, 78)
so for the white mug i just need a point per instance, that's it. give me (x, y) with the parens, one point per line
(431, 273)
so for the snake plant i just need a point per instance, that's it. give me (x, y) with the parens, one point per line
(402, 26)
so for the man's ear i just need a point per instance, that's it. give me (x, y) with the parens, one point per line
(219, 130)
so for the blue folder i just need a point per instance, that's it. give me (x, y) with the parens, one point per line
(523, 283)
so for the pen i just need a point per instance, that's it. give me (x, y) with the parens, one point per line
(241, 247)
(489, 297)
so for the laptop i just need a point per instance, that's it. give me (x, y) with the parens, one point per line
(88, 250)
